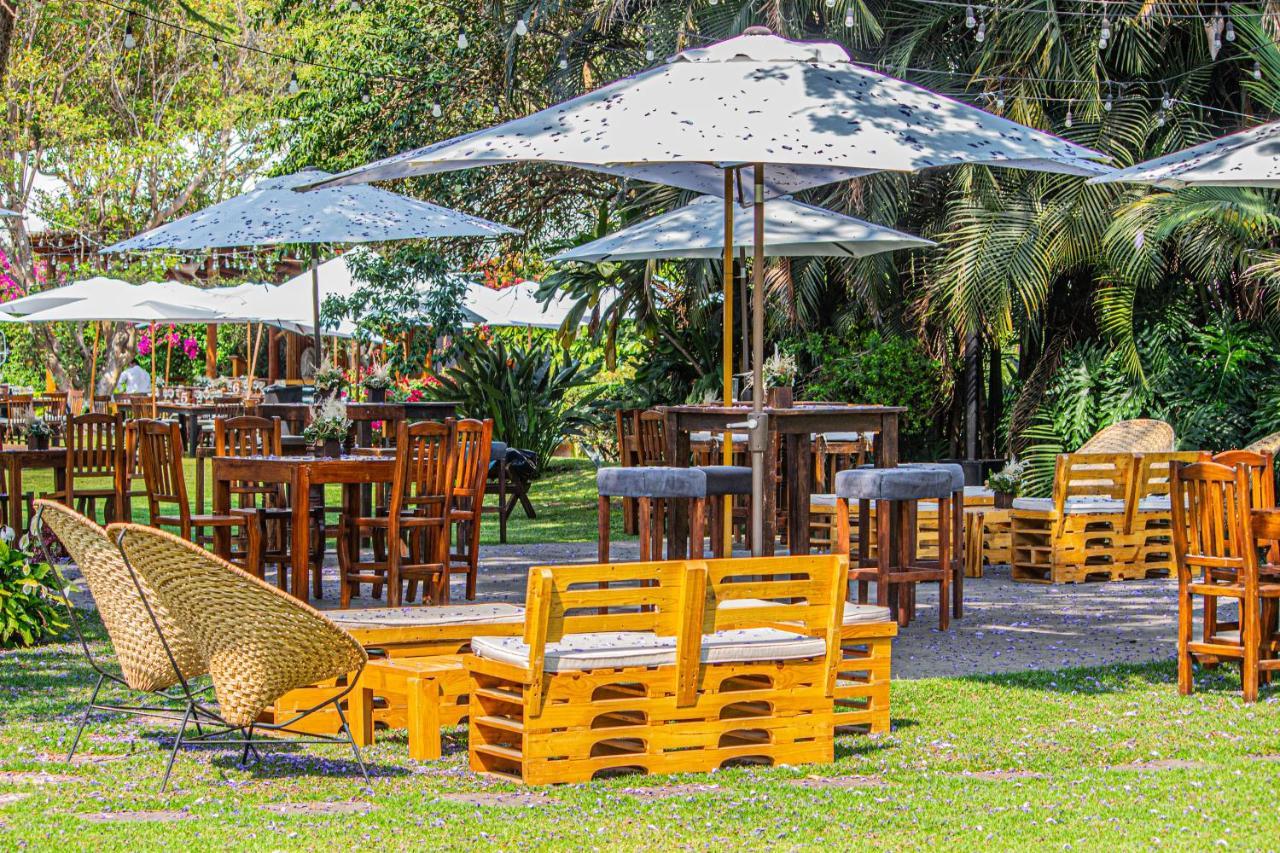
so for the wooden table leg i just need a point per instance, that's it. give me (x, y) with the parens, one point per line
(15, 498)
(221, 506)
(887, 441)
(300, 546)
(678, 516)
(770, 496)
(799, 491)
(199, 483)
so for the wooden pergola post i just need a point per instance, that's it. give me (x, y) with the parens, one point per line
(211, 351)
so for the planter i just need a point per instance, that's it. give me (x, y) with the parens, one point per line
(377, 395)
(331, 448)
(1004, 500)
(37, 442)
(780, 398)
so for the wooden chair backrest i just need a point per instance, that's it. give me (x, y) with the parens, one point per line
(1261, 468)
(140, 406)
(246, 435)
(20, 410)
(95, 447)
(75, 402)
(624, 424)
(651, 438)
(363, 418)
(101, 404)
(424, 469)
(1151, 474)
(160, 449)
(1098, 475)
(1212, 531)
(472, 440)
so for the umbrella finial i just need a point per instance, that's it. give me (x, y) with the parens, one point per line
(757, 31)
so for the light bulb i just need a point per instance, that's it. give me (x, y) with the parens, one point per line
(649, 54)
(364, 97)
(495, 108)
(129, 41)
(522, 29)
(563, 63)
(1102, 43)
(355, 6)
(1160, 119)
(463, 43)
(981, 35)
(1231, 27)
(1257, 70)
(848, 18)
(969, 20)
(1166, 102)
(436, 112)
(1106, 27)
(293, 83)
(831, 4)
(713, 2)
(1000, 100)
(1106, 105)
(217, 60)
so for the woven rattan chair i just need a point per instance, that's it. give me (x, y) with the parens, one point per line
(260, 643)
(1136, 436)
(153, 653)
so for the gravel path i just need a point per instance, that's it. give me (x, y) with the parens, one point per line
(1007, 626)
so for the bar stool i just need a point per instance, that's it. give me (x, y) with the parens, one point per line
(652, 488)
(897, 568)
(956, 472)
(724, 481)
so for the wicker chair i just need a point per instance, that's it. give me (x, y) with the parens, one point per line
(1136, 436)
(153, 653)
(260, 642)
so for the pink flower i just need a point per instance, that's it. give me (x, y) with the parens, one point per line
(191, 347)
(144, 344)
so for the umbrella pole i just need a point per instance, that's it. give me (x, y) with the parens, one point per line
(760, 435)
(253, 360)
(318, 357)
(727, 274)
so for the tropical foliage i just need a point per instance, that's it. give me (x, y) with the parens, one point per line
(533, 393)
(31, 603)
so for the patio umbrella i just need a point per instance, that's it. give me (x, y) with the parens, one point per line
(796, 114)
(6, 213)
(791, 229)
(272, 214)
(1250, 158)
(97, 287)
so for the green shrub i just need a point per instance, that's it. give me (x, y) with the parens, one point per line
(871, 367)
(533, 393)
(31, 599)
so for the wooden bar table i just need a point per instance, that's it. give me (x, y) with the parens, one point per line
(19, 459)
(794, 427)
(299, 474)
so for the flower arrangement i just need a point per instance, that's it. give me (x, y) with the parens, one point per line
(328, 380)
(39, 428)
(329, 422)
(379, 377)
(780, 370)
(1007, 482)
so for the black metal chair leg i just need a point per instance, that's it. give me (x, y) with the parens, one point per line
(84, 720)
(248, 742)
(346, 729)
(177, 744)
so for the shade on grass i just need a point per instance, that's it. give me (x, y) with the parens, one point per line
(1067, 758)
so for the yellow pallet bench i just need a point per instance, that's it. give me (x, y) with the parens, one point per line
(640, 666)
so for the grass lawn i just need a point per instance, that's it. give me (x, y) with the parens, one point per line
(1090, 759)
(564, 499)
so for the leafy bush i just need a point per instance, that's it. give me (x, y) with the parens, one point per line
(534, 395)
(874, 368)
(31, 599)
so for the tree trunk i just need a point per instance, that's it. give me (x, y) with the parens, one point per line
(995, 401)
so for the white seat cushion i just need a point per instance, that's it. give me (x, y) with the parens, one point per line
(451, 614)
(1073, 505)
(854, 613)
(822, 500)
(1156, 503)
(617, 649)
(974, 492)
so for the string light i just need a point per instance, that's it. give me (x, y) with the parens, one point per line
(217, 60)
(522, 28)
(1257, 70)
(463, 43)
(364, 97)
(649, 53)
(436, 111)
(563, 64)
(356, 6)
(969, 20)
(130, 42)
(1069, 122)
(293, 83)
(848, 17)
(1106, 104)
(831, 4)
(1231, 27)
(1104, 37)
(1000, 99)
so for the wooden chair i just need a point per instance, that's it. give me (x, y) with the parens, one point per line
(247, 435)
(95, 451)
(1079, 533)
(473, 441)
(19, 413)
(651, 438)
(1261, 465)
(416, 520)
(1147, 517)
(666, 667)
(102, 404)
(160, 449)
(628, 457)
(75, 402)
(1215, 542)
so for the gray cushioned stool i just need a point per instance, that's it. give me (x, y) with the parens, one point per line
(897, 568)
(957, 530)
(652, 488)
(724, 481)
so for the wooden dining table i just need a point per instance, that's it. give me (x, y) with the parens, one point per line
(16, 460)
(299, 474)
(791, 428)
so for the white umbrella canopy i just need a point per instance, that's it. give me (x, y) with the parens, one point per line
(98, 288)
(139, 307)
(803, 108)
(516, 305)
(792, 229)
(1250, 158)
(272, 214)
